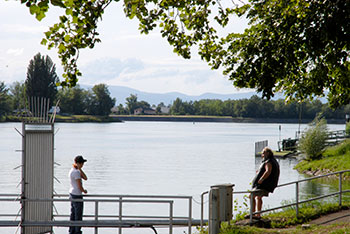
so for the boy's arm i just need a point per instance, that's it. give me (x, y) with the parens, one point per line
(83, 176)
(80, 186)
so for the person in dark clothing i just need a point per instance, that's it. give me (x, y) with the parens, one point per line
(265, 180)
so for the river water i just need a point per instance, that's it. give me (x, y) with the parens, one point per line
(158, 158)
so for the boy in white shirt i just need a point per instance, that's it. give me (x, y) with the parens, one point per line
(76, 174)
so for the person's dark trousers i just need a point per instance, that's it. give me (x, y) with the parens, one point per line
(76, 213)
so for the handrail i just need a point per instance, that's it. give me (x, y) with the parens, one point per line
(297, 202)
(312, 178)
(121, 199)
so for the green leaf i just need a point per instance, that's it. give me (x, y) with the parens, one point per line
(69, 11)
(67, 38)
(57, 3)
(43, 41)
(33, 9)
(61, 48)
(40, 15)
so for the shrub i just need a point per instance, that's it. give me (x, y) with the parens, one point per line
(313, 141)
(347, 128)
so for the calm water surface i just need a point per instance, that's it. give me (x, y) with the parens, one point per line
(159, 158)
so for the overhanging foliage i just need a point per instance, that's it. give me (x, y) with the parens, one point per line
(298, 47)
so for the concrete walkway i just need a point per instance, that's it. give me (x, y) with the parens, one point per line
(341, 216)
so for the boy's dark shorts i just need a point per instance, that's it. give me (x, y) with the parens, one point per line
(260, 192)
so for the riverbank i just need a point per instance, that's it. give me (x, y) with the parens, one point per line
(225, 119)
(69, 119)
(169, 118)
(334, 158)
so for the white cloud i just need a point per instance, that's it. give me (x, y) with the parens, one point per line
(124, 57)
(20, 28)
(163, 76)
(15, 52)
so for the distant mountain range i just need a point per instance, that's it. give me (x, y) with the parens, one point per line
(122, 92)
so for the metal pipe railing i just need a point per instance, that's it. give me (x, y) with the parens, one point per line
(119, 199)
(202, 208)
(121, 202)
(297, 200)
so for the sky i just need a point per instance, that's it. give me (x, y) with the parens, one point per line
(123, 58)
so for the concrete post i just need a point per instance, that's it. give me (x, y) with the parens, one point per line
(220, 206)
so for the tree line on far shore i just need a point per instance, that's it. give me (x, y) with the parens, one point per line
(42, 79)
(42, 82)
(253, 107)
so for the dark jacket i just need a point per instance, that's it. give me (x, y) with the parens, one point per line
(271, 182)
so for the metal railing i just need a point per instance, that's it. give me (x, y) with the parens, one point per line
(297, 202)
(118, 220)
(333, 138)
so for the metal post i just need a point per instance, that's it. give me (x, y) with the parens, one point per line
(202, 208)
(297, 198)
(120, 213)
(189, 215)
(340, 189)
(251, 207)
(171, 218)
(96, 216)
(214, 223)
(220, 206)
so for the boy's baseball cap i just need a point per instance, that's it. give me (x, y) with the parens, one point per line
(79, 159)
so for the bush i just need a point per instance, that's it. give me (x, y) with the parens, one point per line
(313, 141)
(347, 128)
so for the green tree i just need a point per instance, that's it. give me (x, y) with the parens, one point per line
(121, 110)
(228, 108)
(41, 78)
(313, 141)
(101, 102)
(5, 101)
(131, 103)
(72, 100)
(18, 95)
(143, 104)
(298, 47)
(347, 128)
(178, 107)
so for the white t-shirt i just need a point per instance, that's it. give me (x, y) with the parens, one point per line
(74, 175)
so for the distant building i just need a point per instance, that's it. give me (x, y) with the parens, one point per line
(164, 110)
(114, 109)
(145, 111)
(138, 111)
(55, 109)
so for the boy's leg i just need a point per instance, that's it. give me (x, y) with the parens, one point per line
(258, 204)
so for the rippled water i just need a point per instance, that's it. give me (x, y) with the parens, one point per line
(163, 158)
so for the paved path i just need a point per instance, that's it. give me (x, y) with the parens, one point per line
(337, 217)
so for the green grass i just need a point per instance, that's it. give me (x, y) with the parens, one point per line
(84, 118)
(307, 211)
(285, 221)
(176, 116)
(335, 158)
(64, 118)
